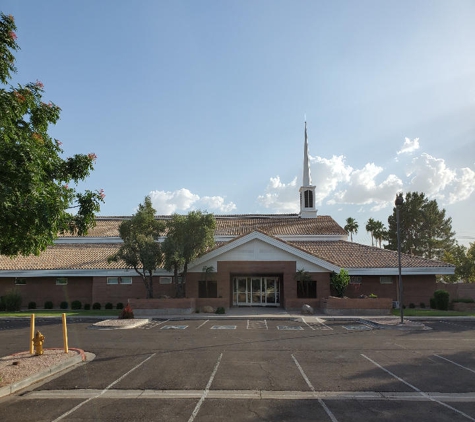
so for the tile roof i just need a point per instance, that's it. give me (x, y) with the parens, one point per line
(237, 225)
(66, 257)
(354, 255)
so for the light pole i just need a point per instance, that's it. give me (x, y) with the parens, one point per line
(399, 201)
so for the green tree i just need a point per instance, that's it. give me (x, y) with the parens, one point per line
(464, 261)
(188, 237)
(36, 200)
(340, 282)
(370, 228)
(351, 227)
(303, 278)
(207, 270)
(380, 232)
(424, 229)
(141, 249)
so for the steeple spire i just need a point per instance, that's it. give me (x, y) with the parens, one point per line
(307, 191)
(307, 179)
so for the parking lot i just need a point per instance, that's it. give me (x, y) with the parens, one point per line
(252, 370)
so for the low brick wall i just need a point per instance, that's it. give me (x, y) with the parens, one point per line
(347, 306)
(213, 302)
(464, 307)
(150, 307)
(296, 304)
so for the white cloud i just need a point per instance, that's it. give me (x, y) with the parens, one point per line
(409, 146)
(463, 186)
(329, 174)
(183, 200)
(281, 197)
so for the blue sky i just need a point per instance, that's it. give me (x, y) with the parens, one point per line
(201, 104)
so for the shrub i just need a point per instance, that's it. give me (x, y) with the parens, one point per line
(12, 301)
(120, 305)
(109, 306)
(412, 306)
(96, 305)
(87, 306)
(2, 304)
(127, 313)
(422, 305)
(63, 305)
(32, 305)
(432, 303)
(76, 304)
(373, 296)
(463, 300)
(220, 310)
(441, 298)
(48, 304)
(339, 282)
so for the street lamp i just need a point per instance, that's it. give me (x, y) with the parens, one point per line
(399, 201)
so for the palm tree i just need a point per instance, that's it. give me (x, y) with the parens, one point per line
(371, 226)
(379, 232)
(351, 227)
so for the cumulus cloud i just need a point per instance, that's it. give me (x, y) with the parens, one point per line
(184, 200)
(374, 186)
(281, 197)
(409, 146)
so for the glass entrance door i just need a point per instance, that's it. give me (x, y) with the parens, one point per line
(256, 291)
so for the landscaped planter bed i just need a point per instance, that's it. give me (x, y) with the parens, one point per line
(359, 306)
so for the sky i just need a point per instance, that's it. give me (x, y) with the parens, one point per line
(202, 104)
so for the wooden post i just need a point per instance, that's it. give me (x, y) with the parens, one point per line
(65, 334)
(32, 333)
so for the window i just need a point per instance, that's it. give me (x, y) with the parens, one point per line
(355, 279)
(386, 279)
(165, 280)
(61, 281)
(208, 288)
(119, 280)
(306, 289)
(20, 281)
(308, 196)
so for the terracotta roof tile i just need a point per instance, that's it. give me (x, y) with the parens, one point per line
(354, 255)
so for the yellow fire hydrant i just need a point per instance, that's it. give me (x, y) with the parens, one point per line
(38, 341)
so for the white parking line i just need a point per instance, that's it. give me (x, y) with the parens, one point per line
(455, 363)
(329, 412)
(419, 391)
(202, 324)
(205, 393)
(103, 391)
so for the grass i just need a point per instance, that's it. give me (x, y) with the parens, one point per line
(59, 312)
(430, 312)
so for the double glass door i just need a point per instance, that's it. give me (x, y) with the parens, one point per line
(256, 291)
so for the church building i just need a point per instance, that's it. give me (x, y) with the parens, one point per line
(256, 259)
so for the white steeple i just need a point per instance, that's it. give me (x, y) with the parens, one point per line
(307, 191)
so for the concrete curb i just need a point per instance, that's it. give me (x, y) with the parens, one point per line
(46, 373)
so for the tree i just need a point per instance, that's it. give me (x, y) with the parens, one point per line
(207, 270)
(424, 229)
(340, 282)
(36, 199)
(370, 228)
(188, 237)
(141, 249)
(464, 261)
(303, 279)
(351, 227)
(379, 232)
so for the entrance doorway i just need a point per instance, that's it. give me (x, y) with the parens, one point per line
(256, 291)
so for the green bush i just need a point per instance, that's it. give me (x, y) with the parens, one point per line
(48, 304)
(32, 305)
(220, 310)
(432, 303)
(441, 299)
(87, 307)
(422, 305)
(63, 305)
(339, 282)
(76, 304)
(109, 306)
(2, 304)
(373, 296)
(463, 300)
(96, 305)
(120, 305)
(12, 301)
(412, 306)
